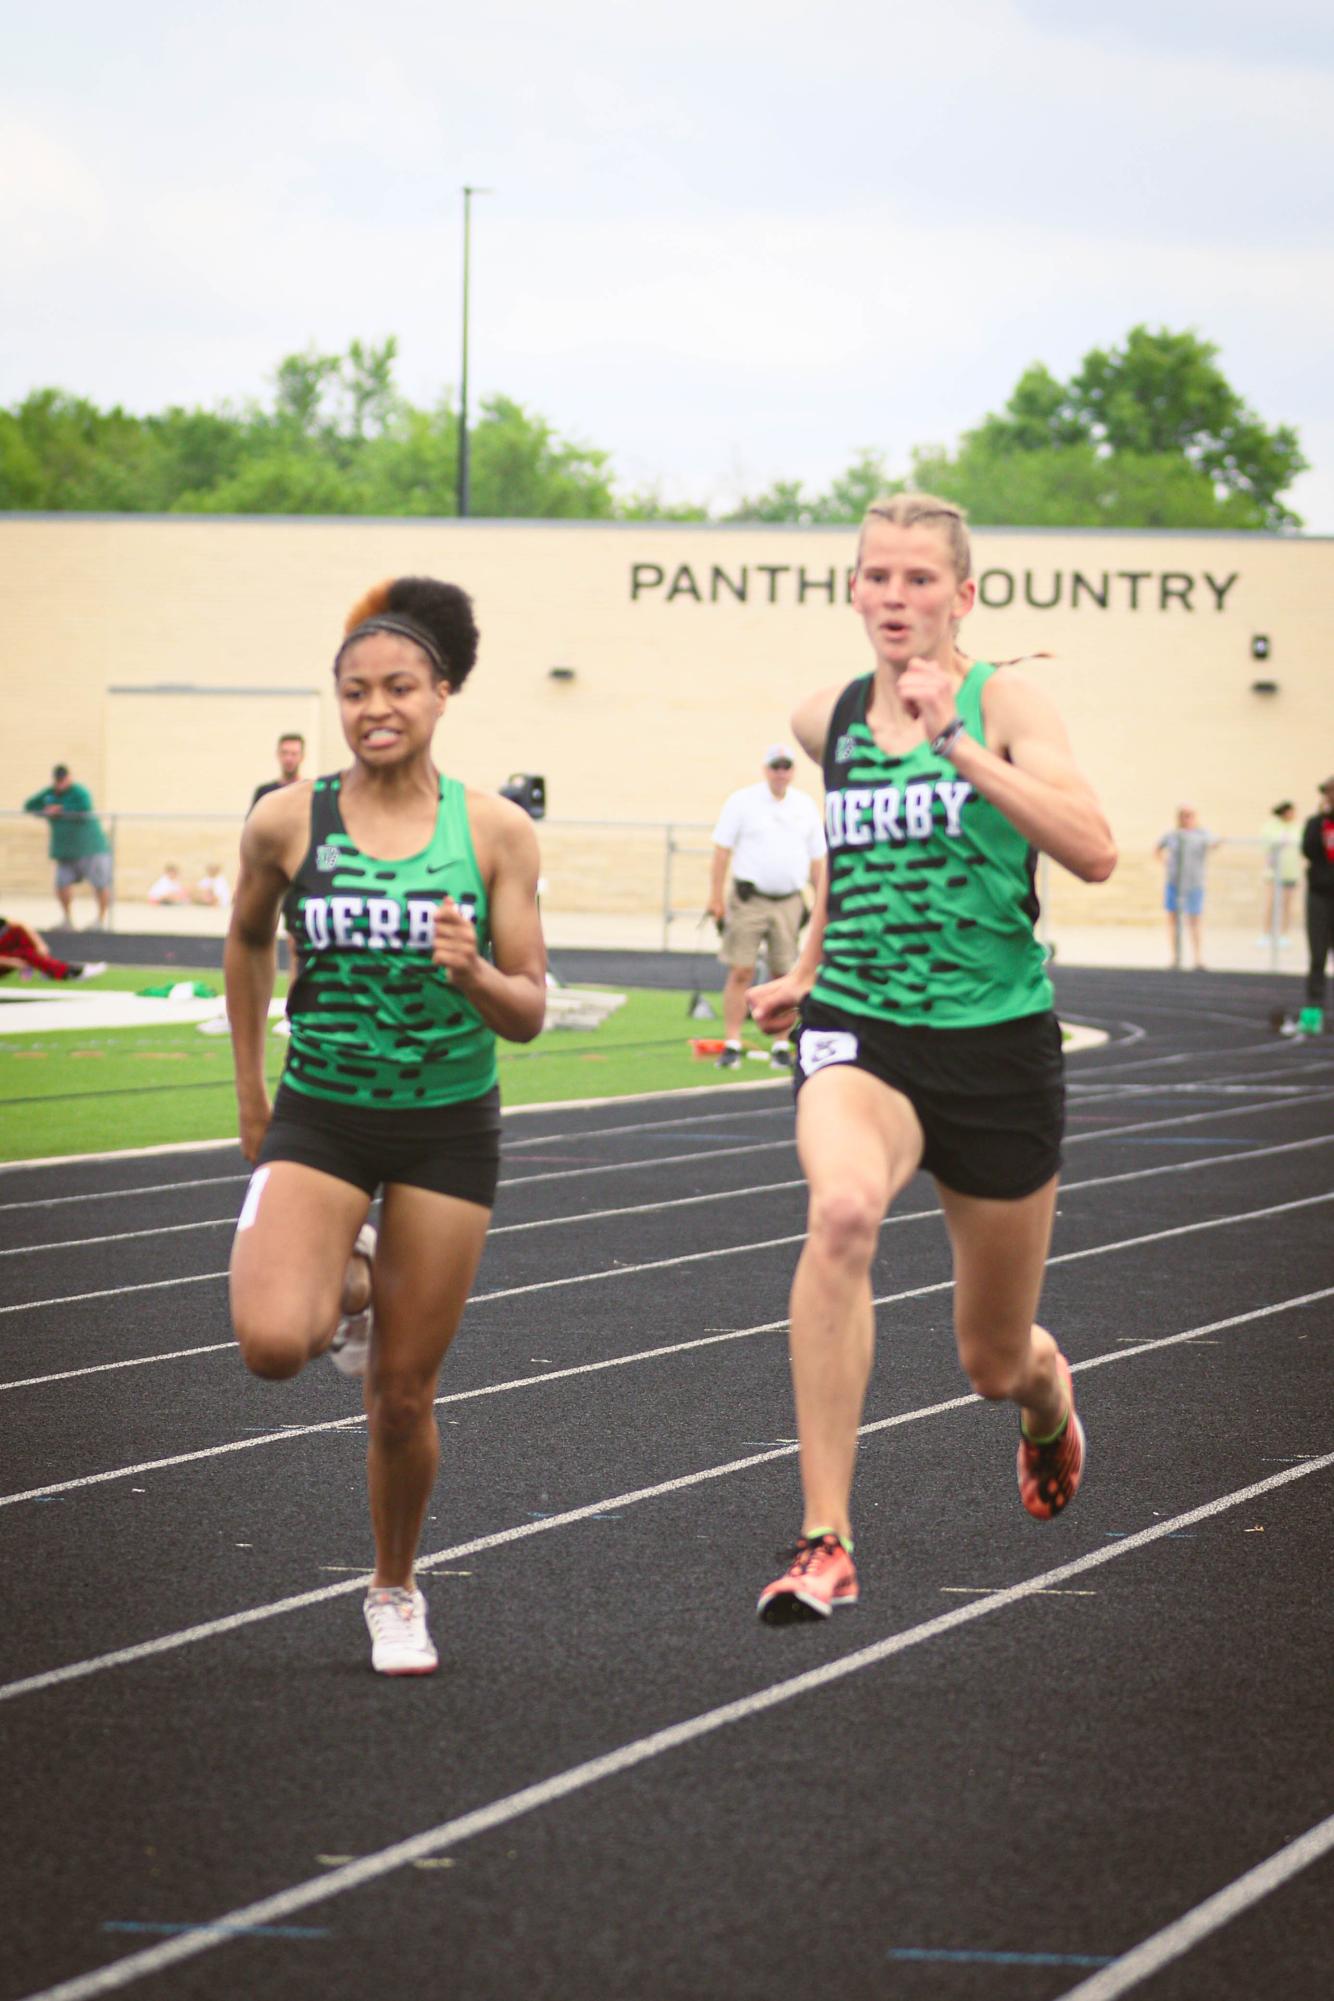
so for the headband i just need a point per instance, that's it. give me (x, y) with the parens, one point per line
(406, 629)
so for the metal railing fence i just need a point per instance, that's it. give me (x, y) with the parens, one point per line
(658, 871)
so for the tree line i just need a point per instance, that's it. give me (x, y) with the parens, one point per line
(1149, 434)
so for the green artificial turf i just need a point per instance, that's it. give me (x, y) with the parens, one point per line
(74, 1091)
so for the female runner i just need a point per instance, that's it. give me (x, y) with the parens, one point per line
(927, 1033)
(412, 904)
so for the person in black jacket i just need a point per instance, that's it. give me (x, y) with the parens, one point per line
(1318, 849)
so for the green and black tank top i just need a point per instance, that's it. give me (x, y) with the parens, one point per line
(373, 1022)
(931, 894)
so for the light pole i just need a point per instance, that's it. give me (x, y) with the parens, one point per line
(465, 492)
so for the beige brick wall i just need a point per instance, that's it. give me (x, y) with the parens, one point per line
(678, 685)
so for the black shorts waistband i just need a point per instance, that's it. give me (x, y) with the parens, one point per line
(405, 1122)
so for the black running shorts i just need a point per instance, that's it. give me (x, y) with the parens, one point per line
(991, 1101)
(450, 1149)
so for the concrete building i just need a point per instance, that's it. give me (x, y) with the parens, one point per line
(641, 669)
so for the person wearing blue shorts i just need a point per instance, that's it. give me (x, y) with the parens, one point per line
(1185, 850)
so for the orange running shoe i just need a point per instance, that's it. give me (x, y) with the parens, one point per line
(819, 1575)
(1049, 1474)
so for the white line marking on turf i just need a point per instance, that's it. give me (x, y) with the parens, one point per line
(752, 1189)
(627, 1757)
(1148, 1958)
(214, 1628)
(124, 1153)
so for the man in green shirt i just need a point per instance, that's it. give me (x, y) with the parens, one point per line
(78, 846)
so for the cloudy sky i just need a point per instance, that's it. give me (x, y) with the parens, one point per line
(728, 241)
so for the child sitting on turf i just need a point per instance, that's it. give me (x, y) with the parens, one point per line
(212, 888)
(169, 888)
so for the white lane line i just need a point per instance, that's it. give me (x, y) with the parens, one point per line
(510, 1112)
(724, 1115)
(798, 1237)
(627, 1757)
(1193, 1118)
(691, 1257)
(725, 1251)
(123, 1194)
(511, 1146)
(212, 1628)
(1280, 1052)
(1183, 1090)
(752, 1189)
(507, 1181)
(113, 1291)
(1186, 1931)
(126, 1362)
(1084, 1096)
(120, 1237)
(685, 1202)
(1092, 1092)
(122, 1153)
(635, 1166)
(496, 1230)
(1072, 1139)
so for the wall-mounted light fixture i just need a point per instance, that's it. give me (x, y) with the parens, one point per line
(526, 790)
(560, 673)
(1260, 648)
(1264, 687)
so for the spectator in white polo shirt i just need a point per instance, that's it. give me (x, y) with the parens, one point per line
(774, 840)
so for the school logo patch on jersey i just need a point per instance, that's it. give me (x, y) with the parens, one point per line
(327, 859)
(817, 1047)
(845, 749)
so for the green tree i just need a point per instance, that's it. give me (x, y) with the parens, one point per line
(280, 481)
(62, 452)
(412, 466)
(847, 499)
(647, 504)
(785, 500)
(301, 387)
(1149, 435)
(367, 380)
(520, 467)
(1075, 485)
(866, 479)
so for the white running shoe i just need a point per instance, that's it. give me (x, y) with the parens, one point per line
(89, 972)
(351, 1344)
(400, 1643)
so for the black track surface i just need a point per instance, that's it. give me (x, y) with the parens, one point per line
(989, 1810)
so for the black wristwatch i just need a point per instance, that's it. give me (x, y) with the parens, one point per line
(954, 728)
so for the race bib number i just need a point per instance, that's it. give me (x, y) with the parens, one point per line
(819, 1046)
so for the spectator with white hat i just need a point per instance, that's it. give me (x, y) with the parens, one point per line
(773, 839)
